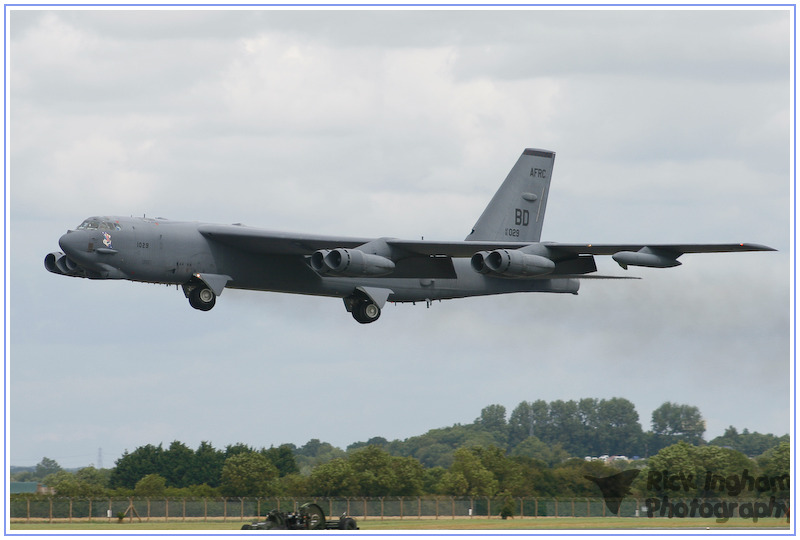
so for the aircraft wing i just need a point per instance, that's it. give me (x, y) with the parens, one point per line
(274, 242)
(277, 242)
(578, 258)
(467, 249)
(431, 259)
(678, 249)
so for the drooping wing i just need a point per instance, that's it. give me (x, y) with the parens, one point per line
(467, 249)
(431, 259)
(577, 260)
(263, 241)
(678, 249)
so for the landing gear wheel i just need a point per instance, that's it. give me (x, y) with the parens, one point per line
(366, 312)
(202, 298)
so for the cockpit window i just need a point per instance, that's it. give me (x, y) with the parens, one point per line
(94, 224)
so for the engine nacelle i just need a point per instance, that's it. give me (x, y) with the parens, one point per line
(645, 257)
(512, 263)
(58, 263)
(478, 262)
(318, 261)
(345, 262)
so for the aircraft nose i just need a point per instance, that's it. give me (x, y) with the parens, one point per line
(74, 243)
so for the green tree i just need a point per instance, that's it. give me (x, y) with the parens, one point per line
(537, 478)
(378, 473)
(617, 428)
(505, 471)
(294, 485)
(520, 424)
(724, 463)
(673, 422)
(750, 444)
(176, 464)
(132, 467)
(431, 480)
(152, 485)
(372, 467)
(435, 455)
(248, 474)
(671, 471)
(238, 448)
(775, 464)
(373, 441)
(551, 454)
(409, 476)
(493, 421)
(480, 481)
(46, 467)
(334, 478)
(87, 482)
(453, 483)
(206, 466)
(64, 483)
(92, 482)
(314, 453)
(283, 459)
(565, 427)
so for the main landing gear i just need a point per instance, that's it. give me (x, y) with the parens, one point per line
(202, 289)
(200, 296)
(366, 312)
(363, 308)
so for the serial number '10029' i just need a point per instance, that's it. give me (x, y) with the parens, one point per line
(512, 232)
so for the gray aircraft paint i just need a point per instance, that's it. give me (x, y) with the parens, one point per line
(502, 254)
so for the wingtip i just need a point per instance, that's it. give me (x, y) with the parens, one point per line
(757, 247)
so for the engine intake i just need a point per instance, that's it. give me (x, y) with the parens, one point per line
(511, 263)
(478, 262)
(345, 262)
(58, 263)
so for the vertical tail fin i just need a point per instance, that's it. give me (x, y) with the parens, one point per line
(516, 212)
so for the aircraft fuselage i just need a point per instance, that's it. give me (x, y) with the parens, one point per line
(173, 252)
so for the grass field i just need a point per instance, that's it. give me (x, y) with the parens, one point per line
(432, 524)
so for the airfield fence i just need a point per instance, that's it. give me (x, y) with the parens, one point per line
(244, 509)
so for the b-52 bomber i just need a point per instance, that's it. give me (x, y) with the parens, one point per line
(502, 254)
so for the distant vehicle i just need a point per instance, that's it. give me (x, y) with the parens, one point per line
(502, 254)
(309, 517)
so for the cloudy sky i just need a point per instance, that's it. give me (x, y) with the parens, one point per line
(669, 126)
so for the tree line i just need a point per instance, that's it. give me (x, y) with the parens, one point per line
(538, 451)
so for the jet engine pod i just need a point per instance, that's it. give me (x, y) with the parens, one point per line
(646, 257)
(318, 261)
(478, 262)
(516, 264)
(50, 262)
(353, 263)
(58, 263)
